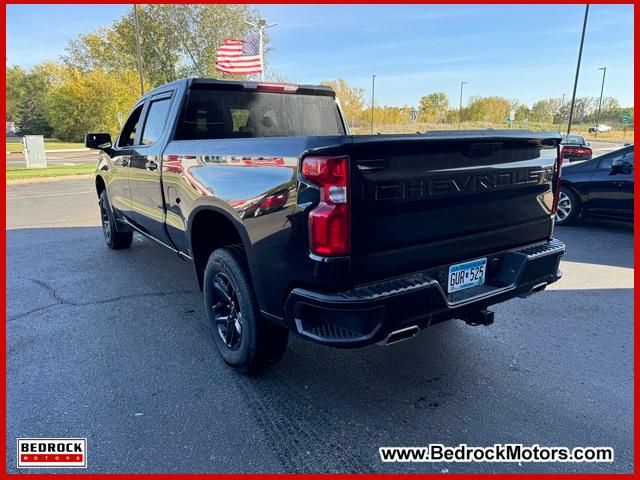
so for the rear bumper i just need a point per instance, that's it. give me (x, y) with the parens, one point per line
(369, 313)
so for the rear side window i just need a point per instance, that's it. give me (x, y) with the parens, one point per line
(212, 114)
(573, 140)
(156, 119)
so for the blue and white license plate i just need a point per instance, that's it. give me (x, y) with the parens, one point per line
(466, 275)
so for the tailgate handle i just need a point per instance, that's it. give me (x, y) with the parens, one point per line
(482, 149)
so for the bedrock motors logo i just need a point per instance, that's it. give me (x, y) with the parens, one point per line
(52, 453)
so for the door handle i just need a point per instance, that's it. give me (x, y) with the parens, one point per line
(151, 165)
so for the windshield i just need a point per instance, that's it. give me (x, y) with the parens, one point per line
(214, 113)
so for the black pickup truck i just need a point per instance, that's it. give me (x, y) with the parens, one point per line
(292, 224)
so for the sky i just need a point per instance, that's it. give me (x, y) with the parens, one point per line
(526, 52)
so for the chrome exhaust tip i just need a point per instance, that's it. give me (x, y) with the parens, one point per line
(400, 335)
(535, 289)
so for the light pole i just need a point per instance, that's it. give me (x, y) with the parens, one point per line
(604, 74)
(575, 82)
(138, 49)
(373, 98)
(261, 26)
(460, 106)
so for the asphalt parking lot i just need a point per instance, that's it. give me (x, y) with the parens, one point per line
(114, 346)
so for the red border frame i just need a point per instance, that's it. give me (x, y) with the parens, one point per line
(636, 295)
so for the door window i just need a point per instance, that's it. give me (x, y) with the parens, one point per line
(128, 135)
(156, 119)
(607, 160)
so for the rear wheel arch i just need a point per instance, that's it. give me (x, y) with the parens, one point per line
(211, 228)
(569, 206)
(100, 185)
(570, 186)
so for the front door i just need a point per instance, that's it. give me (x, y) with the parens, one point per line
(119, 193)
(145, 167)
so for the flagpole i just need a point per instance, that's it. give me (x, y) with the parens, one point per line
(261, 26)
(138, 50)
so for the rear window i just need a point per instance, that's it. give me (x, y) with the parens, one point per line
(573, 140)
(213, 113)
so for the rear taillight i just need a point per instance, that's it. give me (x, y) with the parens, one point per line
(329, 222)
(556, 181)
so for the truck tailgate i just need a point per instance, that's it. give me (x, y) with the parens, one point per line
(443, 197)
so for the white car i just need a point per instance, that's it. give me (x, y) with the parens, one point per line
(600, 128)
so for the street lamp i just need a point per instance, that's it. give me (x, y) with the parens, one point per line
(604, 74)
(460, 107)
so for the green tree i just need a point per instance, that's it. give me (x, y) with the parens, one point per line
(16, 78)
(176, 41)
(545, 110)
(433, 107)
(522, 113)
(28, 91)
(487, 109)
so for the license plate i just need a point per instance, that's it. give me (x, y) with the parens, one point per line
(466, 275)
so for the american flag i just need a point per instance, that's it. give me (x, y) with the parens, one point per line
(239, 57)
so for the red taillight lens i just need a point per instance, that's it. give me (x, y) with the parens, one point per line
(329, 222)
(556, 181)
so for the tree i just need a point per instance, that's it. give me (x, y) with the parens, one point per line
(522, 113)
(487, 109)
(545, 110)
(351, 98)
(27, 105)
(176, 41)
(433, 107)
(583, 109)
(16, 78)
(81, 102)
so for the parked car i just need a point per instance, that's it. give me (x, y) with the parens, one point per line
(292, 224)
(600, 128)
(575, 148)
(601, 187)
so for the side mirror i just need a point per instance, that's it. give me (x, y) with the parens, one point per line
(98, 141)
(621, 166)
